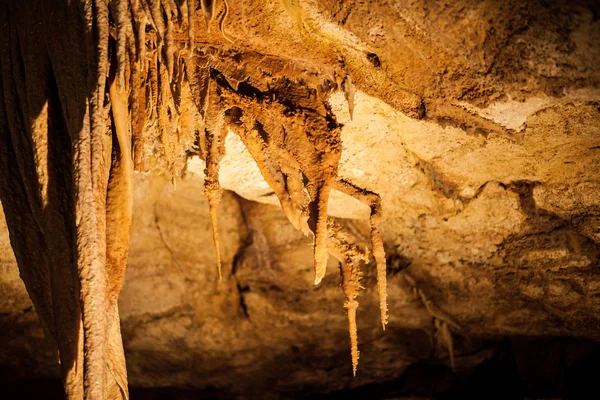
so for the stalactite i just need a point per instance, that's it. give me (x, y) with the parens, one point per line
(349, 93)
(207, 10)
(350, 257)
(119, 205)
(138, 102)
(272, 173)
(88, 166)
(156, 16)
(142, 41)
(124, 34)
(380, 261)
(222, 20)
(374, 202)
(318, 213)
(153, 82)
(162, 112)
(190, 6)
(169, 49)
(191, 11)
(217, 133)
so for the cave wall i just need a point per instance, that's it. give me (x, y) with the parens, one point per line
(491, 209)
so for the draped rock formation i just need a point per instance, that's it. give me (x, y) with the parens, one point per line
(444, 154)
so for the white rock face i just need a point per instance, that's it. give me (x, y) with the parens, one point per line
(410, 163)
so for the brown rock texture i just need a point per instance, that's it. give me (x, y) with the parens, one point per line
(478, 125)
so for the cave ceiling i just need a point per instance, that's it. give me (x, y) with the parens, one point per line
(288, 161)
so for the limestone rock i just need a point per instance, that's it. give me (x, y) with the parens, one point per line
(491, 208)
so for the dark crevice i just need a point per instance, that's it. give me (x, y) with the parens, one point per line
(241, 290)
(239, 256)
(264, 135)
(280, 94)
(195, 149)
(245, 89)
(374, 59)
(235, 115)
(396, 263)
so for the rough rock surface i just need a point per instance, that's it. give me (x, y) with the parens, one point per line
(491, 210)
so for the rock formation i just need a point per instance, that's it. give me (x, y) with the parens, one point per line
(455, 148)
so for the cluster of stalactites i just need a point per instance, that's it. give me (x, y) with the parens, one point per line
(154, 54)
(277, 167)
(156, 69)
(285, 176)
(153, 68)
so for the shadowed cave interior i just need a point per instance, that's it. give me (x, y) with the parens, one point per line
(285, 199)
